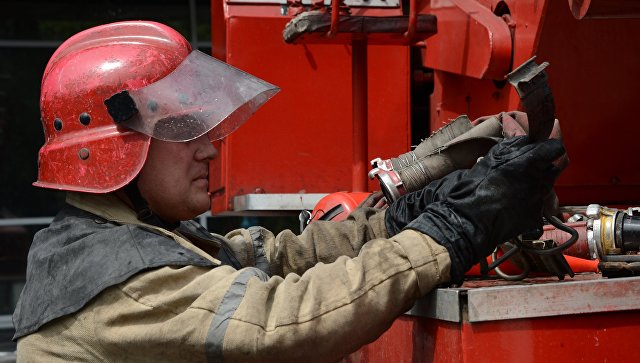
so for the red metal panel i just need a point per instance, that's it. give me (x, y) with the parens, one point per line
(301, 139)
(389, 106)
(587, 319)
(454, 95)
(593, 68)
(413, 340)
(396, 345)
(584, 338)
(603, 337)
(302, 134)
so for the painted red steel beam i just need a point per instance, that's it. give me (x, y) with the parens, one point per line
(360, 115)
(413, 16)
(335, 15)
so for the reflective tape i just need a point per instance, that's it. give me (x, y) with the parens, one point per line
(228, 306)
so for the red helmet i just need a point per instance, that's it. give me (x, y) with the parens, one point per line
(337, 206)
(107, 90)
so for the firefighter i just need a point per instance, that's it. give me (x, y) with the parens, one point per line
(122, 274)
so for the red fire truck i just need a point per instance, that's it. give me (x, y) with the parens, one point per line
(363, 79)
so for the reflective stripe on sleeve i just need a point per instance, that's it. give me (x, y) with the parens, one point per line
(230, 302)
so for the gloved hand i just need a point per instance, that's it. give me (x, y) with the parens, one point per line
(374, 200)
(497, 199)
(411, 205)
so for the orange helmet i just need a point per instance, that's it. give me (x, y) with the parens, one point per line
(108, 90)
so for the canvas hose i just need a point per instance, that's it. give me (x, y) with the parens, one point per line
(455, 146)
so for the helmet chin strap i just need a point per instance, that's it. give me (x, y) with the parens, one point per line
(143, 211)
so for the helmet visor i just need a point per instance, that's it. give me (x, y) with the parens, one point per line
(202, 95)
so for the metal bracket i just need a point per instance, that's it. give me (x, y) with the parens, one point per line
(471, 41)
(277, 202)
(530, 80)
(493, 300)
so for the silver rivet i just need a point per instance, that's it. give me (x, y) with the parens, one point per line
(83, 153)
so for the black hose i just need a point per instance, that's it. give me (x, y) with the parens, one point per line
(630, 233)
(554, 221)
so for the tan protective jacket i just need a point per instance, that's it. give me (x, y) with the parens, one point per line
(332, 289)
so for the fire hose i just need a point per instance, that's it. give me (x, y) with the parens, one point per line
(460, 143)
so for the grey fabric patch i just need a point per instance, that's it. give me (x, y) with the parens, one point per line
(79, 255)
(228, 306)
(262, 262)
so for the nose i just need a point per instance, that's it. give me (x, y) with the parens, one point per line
(205, 149)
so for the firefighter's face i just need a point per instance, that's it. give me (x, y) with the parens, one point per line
(175, 178)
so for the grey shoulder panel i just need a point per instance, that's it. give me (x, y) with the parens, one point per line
(79, 255)
(227, 308)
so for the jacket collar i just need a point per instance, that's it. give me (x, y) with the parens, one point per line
(108, 206)
(112, 208)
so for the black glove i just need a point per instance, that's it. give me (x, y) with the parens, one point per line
(497, 199)
(408, 207)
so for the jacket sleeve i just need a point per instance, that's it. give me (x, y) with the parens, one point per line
(198, 314)
(321, 241)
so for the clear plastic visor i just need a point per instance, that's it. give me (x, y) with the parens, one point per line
(202, 95)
